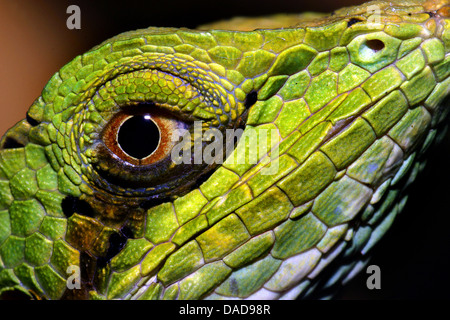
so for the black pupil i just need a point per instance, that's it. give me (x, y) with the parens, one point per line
(138, 136)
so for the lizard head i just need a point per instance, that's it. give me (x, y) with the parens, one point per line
(107, 178)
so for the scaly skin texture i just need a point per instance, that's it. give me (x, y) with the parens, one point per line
(355, 99)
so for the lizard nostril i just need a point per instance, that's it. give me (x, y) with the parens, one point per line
(375, 45)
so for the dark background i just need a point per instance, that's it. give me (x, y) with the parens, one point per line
(35, 43)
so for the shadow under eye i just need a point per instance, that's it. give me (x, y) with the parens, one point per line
(375, 45)
(116, 243)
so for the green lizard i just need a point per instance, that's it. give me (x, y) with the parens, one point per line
(354, 98)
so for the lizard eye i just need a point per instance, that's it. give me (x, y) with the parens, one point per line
(143, 129)
(136, 145)
(144, 150)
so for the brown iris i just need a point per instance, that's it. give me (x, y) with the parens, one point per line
(140, 137)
